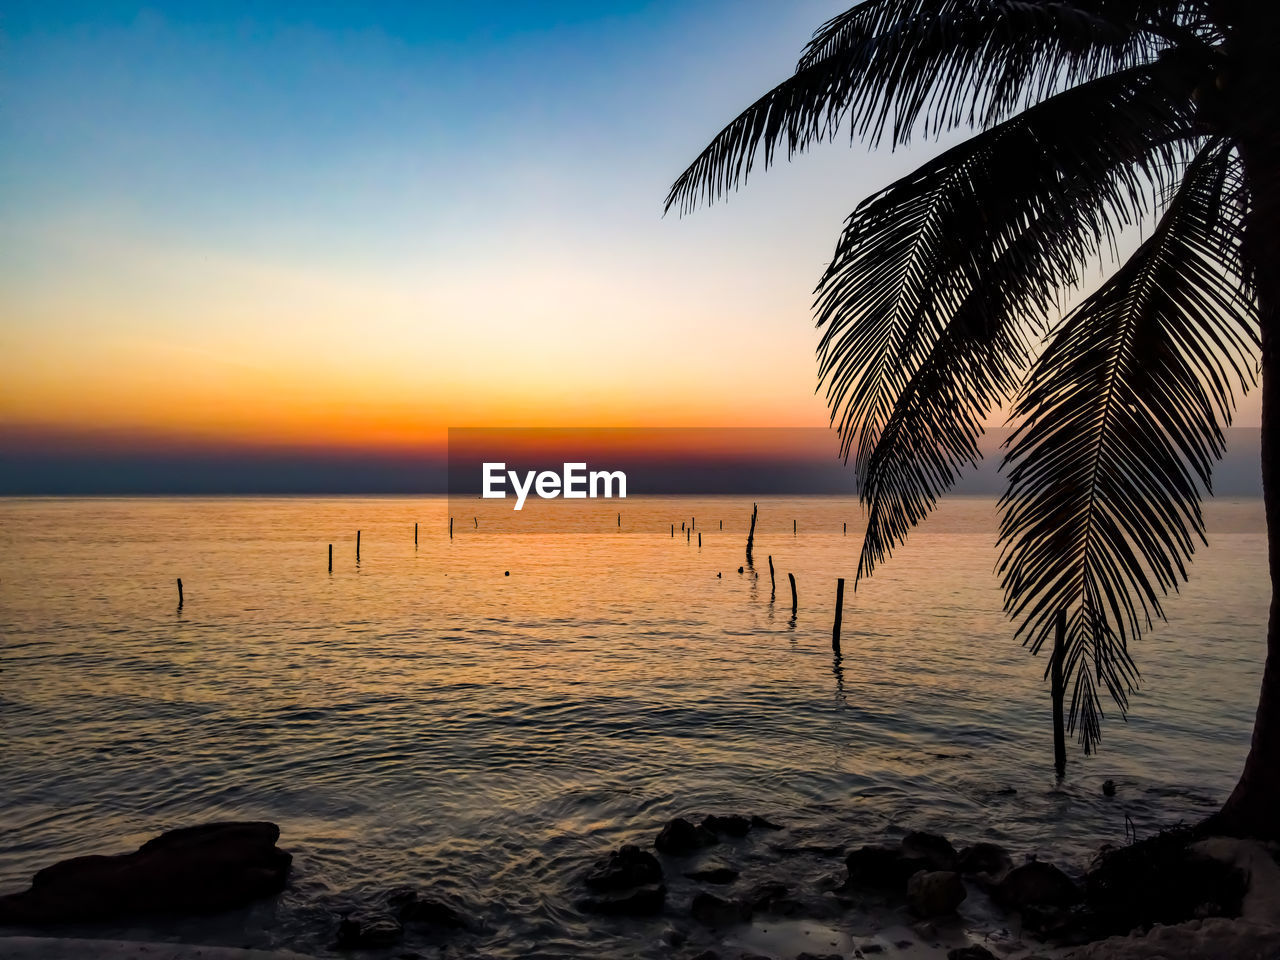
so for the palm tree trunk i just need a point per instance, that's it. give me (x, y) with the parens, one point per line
(1253, 809)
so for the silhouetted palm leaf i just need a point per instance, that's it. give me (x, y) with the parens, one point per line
(977, 61)
(936, 283)
(892, 66)
(1124, 415)
(926, 303)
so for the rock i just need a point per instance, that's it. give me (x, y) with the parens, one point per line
(398, 896)
(971, 952)
(985, 858)
(1036, 884)
(673, 937)
(1067, 925)
(714, 875)
(709, 909)
(760, 823)
(1165, 879)
(429, 911)
(1216, 938)
(680, 838)
(871, 947)
(369, 929)
(767, 896)
(193, 870)
(881, 868)
(733, 825)
(926, 930)
(707, 955)
(1254, 862)
(626, 867)
(644, 902)
(936, 851)
(935, 893)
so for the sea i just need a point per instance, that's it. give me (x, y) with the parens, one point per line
(481, 708)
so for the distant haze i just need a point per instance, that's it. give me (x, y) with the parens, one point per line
(796, 462)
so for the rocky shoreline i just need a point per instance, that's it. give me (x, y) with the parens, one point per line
(1174, 895)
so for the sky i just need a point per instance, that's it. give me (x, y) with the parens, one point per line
(321, 230)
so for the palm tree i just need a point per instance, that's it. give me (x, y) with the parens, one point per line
(943, 300)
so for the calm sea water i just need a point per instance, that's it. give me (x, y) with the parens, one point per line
(422, 718)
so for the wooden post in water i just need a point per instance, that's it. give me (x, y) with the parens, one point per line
(673, 531)
(835, 630)
(451, 528)
(773, 589)
(1059, 654)
(179, 592)
(846, 528)
(793, 527)
(331, 558)
(415, 534)
(794, 601)
(687, 534)
(699, 539)
(751, 534)
(357, 546)
(693, 522)
(721, 524)
(477, 523)
(619, 519)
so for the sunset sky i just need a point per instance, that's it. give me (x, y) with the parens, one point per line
(336, 226)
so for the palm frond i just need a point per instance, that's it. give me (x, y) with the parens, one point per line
(1111, 31)
(927, 300)
(1123, 418)
(892, 67)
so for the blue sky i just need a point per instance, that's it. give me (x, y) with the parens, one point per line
(228, 201)
(336, 225)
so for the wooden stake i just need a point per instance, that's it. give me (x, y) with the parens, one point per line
(794, 602)
(477, 523)
(619, 519)
(721, 524)
(451, 528)
(793, 528)
(699, 539)
(1059, 654)
(751, 534)
(179, 592)
(357, 546)
(835, 630)
(846, 528)
(415, 534)
(673, 530)
(331, 558)
(773, 588)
